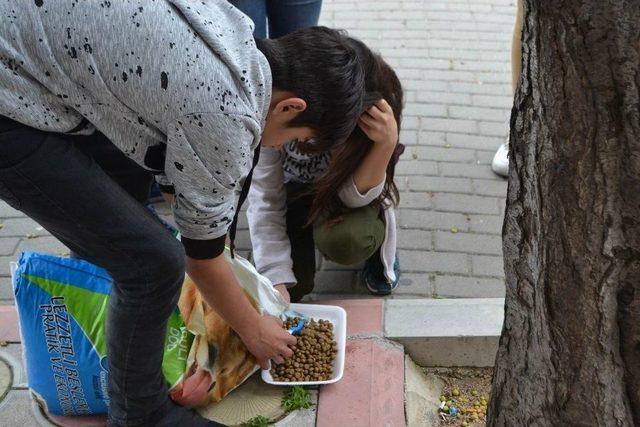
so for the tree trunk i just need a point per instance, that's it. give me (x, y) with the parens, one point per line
(570, 348)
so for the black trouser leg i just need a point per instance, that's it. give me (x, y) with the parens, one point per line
(51, 180)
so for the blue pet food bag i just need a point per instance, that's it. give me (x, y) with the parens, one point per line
(62, 305)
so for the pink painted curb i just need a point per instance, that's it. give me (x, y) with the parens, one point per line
(9, 324)
(371, 393)
(364, 316)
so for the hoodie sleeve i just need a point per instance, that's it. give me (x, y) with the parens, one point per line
(267, 219)
(208, 158)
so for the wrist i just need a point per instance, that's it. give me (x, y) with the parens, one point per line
(387, 144)
(247, 329)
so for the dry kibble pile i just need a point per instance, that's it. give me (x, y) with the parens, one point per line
(313, 354)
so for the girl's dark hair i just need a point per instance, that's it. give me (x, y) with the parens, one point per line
(321, 66)
(380, 82)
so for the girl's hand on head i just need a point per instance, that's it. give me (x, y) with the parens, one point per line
(379, 124)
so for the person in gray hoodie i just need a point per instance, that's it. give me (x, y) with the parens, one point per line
(183, 91)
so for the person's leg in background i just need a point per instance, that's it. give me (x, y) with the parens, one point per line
(48, 178)
(303, 250)
(257, 11)
(286, 16)
(500, 164)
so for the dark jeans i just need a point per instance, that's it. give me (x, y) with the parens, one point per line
(56, 180)
(284, 16)
(356, 237)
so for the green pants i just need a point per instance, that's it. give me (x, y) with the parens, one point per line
(356, 237)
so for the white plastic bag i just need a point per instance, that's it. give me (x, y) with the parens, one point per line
(218, 361)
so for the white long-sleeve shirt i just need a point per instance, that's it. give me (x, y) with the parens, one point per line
(268, 206)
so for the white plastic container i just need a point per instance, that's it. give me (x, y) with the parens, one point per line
(338, 317)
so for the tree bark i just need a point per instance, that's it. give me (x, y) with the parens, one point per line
(569, 353)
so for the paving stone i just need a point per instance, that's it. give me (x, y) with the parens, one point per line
(487, 265)
(21, 227)
(468, 242)
(414, 285)
(497, 186)
(414, 239)
(410, 122)
(335, 282)
(416, 200)
(46, 244)
(430, 85)
(428, 137)
(444, 98)
(477, 142)
(5, 265)
(450, 125)
(409, 137)
(416, 167)
(482, 66)
(6, 290)
(9, 324)
(432, 220)
(428, 262)
(7, 211)
(366, 395)
(364, 316)
(468, 171)
(465, 35)
(12, 353)
(328, 265)
(426, 110)
(490, 224)
(8, 245)
(468, 287)
(492, 101)
(485, 158)
(477, 113)
(480, 88)
(444, 154)
(436, 183)
(6, 377)
(493, 128)
(16, 410)
(466, 203)
(492, 77)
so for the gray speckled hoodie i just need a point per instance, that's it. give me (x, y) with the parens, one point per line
(179, 86)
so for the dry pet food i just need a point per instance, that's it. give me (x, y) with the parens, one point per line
(313, 354)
